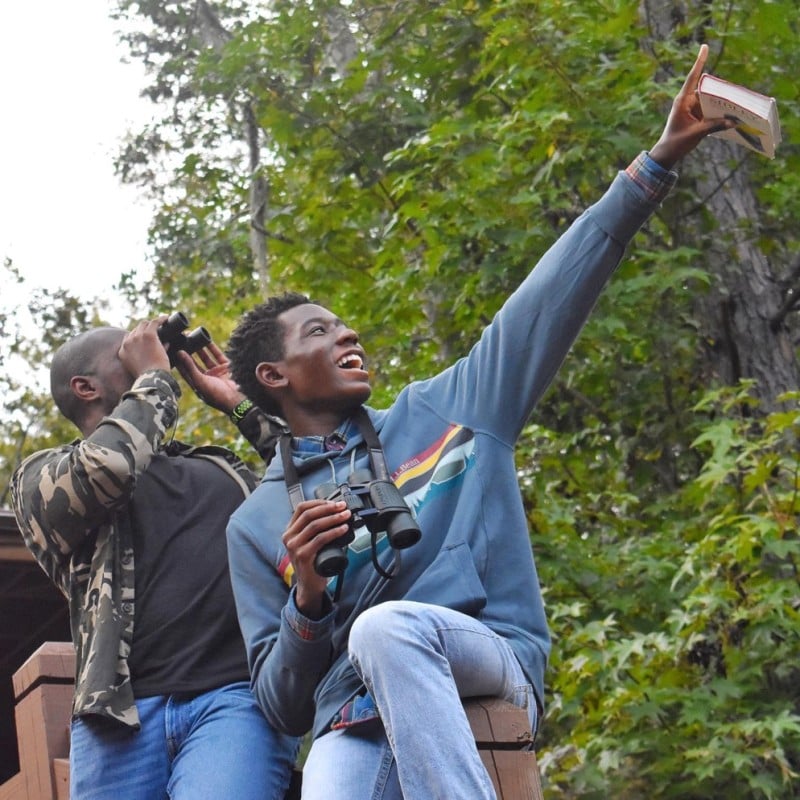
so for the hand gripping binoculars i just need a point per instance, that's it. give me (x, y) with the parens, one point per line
(375, 503)
(171, 332)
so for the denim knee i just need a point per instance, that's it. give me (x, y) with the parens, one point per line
(376, 627)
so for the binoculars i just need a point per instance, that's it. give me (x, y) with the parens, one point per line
(375, 503)
(171, 332)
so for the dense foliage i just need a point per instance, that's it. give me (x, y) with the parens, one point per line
(407, 163)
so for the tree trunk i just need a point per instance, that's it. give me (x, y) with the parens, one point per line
(743, 324)
(746, 334)
(213, 34)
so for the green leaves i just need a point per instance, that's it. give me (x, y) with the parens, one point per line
(411, 162)
(676, 652)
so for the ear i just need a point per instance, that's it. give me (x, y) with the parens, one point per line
(269, 375)
(84, 388)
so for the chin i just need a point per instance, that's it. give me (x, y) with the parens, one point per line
(361, 395)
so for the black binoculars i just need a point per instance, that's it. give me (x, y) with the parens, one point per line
(171, 332)
(377, 504)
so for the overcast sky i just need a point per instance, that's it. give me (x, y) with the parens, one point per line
(67, 100)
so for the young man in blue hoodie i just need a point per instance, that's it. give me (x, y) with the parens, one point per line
(376, 659)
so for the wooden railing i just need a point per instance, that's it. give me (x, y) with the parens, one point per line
(505, 744)
(43, 691)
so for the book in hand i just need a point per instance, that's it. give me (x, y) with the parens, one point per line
(756, 115)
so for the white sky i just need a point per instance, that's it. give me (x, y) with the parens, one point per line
(67, 101)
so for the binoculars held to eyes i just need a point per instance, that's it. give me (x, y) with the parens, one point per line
(171, 332)
(375, 503)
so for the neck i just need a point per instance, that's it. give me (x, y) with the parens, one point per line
(88, 425)
(302, 424)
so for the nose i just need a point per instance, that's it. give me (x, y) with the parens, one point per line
(347, 336)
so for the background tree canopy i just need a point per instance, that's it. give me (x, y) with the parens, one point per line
(407, 163)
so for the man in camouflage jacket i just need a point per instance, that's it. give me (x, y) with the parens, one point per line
(80, 508)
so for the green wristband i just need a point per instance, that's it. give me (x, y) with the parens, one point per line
(237, 415)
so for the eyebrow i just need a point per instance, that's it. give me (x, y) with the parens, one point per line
(321, 321)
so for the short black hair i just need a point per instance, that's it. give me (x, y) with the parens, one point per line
(259, 336)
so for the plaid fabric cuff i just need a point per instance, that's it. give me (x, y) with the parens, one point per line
(305, 628)
(651, 177)
(358, 711)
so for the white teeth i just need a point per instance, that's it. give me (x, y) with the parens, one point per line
(351, 360)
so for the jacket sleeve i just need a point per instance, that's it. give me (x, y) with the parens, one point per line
(61, 495)
(288, 655)
(496, 386)
(263, 431)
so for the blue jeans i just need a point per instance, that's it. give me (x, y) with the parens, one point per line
(208, 747)
(417, 661)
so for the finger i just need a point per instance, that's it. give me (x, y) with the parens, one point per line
(188, 369)
(216, 351)
(693, 78)
(315, 507)
(186, 361)
(206, 358)
(312, 518)
(317, 521)
(720, 124)
(307, 549)
(212, 356)
(152, 324)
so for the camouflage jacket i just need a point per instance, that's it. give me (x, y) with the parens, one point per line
(72, 506)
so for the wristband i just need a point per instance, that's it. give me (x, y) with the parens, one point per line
(237, 415)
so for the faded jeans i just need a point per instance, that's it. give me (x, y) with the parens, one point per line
(212, 746)
(417, 661)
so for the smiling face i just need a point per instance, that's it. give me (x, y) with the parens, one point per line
(322, 376)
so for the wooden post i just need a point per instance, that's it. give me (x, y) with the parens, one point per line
(43, 688)
(505, 744)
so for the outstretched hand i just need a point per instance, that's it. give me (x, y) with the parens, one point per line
(686, 127)
(210, 379)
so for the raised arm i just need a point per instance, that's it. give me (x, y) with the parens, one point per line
(211, 381)
(497, 386)
(686, 127)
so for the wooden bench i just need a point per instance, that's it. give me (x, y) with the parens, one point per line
(43, 691)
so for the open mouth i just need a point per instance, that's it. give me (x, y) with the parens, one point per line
(350, 361)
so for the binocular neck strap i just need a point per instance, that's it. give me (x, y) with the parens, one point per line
(290, 471)
(376, 457)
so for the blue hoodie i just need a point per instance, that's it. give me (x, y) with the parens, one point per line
(449, 446)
